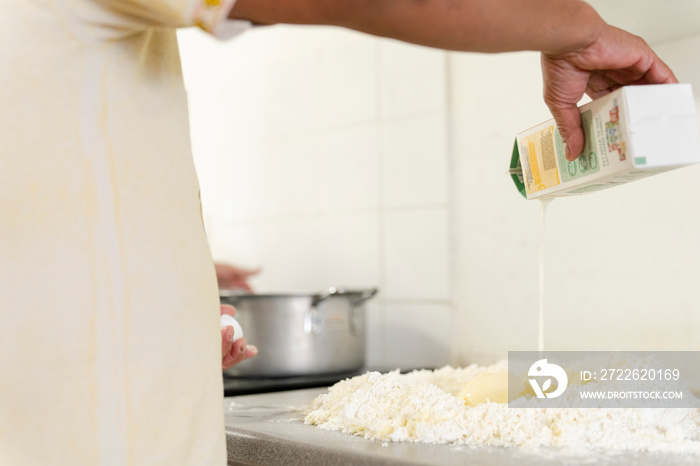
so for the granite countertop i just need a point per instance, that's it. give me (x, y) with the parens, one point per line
(267, 429)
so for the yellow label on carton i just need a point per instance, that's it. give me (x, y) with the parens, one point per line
(542, 160)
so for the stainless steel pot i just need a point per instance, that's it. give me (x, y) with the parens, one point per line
(301, 333)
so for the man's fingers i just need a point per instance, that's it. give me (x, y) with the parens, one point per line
(226, 343)
(249, 272)
(564, 86)
(228, 310)
(645, 68)
(568, 121)
(240, 351)
(235, 354)
(228, 362)
(660, 73)
(240, 284)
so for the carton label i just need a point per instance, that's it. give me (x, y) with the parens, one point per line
(543, 157)
(537, 154)
(613, 133)
(587, 163)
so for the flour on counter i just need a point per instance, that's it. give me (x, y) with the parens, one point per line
(422, 406)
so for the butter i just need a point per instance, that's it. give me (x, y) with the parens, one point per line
(493, 387)
(631, 133)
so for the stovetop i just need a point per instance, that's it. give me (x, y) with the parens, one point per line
(250, 385)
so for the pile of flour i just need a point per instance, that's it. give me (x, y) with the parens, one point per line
(422, 406)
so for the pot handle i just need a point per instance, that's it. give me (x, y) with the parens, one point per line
(356, 316)
(320, 297)
(333, 291)
(366, 294)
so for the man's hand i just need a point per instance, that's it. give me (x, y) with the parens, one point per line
(233, 352)
(230, 277)
(613, 59)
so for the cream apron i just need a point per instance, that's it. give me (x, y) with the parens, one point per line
(109, 330)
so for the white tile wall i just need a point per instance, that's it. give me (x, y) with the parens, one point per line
(322, 158)
(347, 86)
(351, 251)
(418, 335)
(246, 189)
(416, 255)
(248, 244)
(351, 168)
(246, 117)
(414, 162)
(293, 259)
(292, 105)
(296, 169)
(412, 79)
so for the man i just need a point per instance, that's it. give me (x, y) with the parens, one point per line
(109, 326)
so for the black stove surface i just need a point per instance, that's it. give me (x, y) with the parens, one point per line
(250, 385)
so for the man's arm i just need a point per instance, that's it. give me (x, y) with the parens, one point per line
(466, 25)
(580, 52)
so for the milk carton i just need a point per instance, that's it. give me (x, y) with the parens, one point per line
(631, 133)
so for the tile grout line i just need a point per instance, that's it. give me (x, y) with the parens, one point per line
(282, 138)
(325, 214)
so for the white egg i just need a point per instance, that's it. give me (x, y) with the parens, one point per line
(228, 321)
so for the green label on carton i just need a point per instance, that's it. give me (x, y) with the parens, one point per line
(587, 162)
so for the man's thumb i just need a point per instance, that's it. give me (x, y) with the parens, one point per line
(568, 121)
